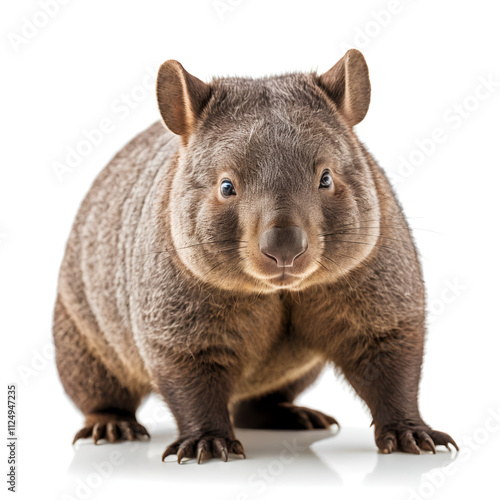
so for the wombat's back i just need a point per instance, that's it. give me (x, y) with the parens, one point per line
(93, 276)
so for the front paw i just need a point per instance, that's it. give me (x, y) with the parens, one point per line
(410, 438)
(203, 448)
(111, 427)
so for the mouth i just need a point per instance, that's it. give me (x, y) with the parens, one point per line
(285, 279)
(278, 277)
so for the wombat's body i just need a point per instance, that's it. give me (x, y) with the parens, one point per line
(163, 286)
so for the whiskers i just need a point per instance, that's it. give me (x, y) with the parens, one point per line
(238, 258)
(391, 234)
(326, 265)
(229, 255)
(211, 242)
(358, 232)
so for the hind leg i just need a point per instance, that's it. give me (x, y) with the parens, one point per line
(277, 411)
(108, 406)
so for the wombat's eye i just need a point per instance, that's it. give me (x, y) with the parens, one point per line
(227, 189)
(326, 181)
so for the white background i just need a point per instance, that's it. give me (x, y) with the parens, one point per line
(426, 59)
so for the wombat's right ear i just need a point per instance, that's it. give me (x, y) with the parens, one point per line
(180, 97)
(348, 85)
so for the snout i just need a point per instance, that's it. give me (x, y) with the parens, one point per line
(283, 245)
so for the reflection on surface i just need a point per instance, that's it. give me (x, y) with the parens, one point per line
(320, 458)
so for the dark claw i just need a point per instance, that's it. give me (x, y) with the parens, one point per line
(411, 439)
(180, 455)
(98, 432)
(318, 420)
(430, 443)
(112, 432)
(82, 434)
(443, 439)
(332, 421)
(171, 450)
(204, 448)
(425, 442)
(237, 448)
(220, 448)
(306, 418)
(408, 443)
(203, 451)
(140, 430)
(126, 431)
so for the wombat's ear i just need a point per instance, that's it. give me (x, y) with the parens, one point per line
(180, 97)
(348, 85)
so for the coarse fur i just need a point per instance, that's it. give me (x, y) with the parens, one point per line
(165, 285)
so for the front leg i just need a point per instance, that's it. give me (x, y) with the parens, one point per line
(196, 388)
(384, 369)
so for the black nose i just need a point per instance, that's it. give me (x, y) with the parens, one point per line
(283, 244)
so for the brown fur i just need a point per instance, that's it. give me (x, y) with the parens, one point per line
(164, 286)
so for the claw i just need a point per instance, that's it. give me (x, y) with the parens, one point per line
(409, 444)
(389, 448)
(389, 443)
(305, 420)
(203, 451)
(301, 417)
(431, 444)
(453, 443)
(320, 420)
(237, 448)
(126, 431)
(111, 429)
(82, 434)
(112, 432)
(412, 440)
(98, 432)
(201, 456)
(443, 439)
(171, 450)
(425, 442)
(204, 448)
(140, 429)
(332, 421)
(220, 448)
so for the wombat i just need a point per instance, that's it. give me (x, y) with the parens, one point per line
(222, 263)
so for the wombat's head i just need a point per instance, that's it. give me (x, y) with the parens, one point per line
(272, 188)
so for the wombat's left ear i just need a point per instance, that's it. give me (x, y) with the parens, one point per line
(181, 98)
(348, 85)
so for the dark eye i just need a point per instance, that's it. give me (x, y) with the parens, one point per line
(326, 181)
(227, 189)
